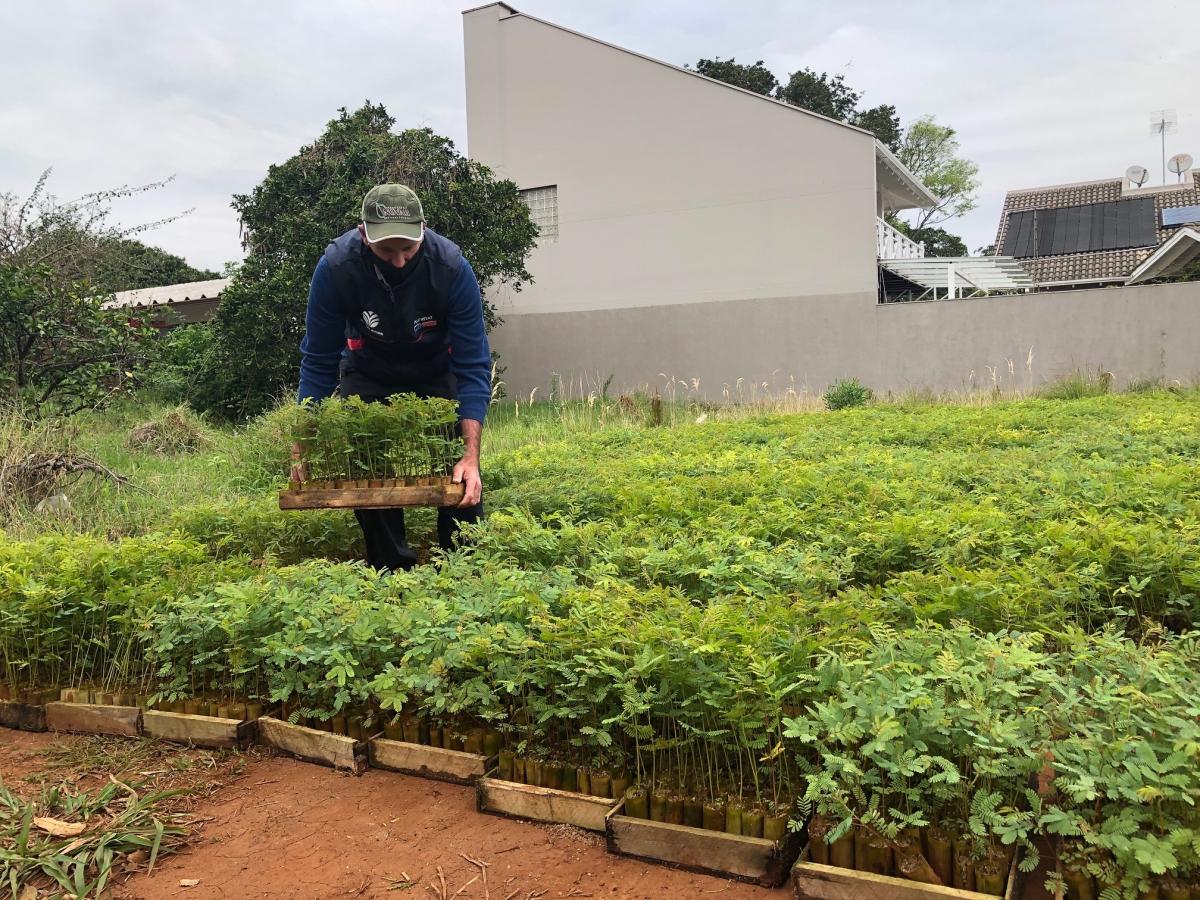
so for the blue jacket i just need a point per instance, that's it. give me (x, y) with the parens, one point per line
(409, 329)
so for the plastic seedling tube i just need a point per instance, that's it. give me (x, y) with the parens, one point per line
(601, 784)
(492, 742)
(618, 784)
(674, 810)
(714, 816)
(533, 772)
(570, 778)
(393, 731)
(520, 774)
(658, 806)
(989, 877)
(964, 866)
(775, 826)
(583, 777)
(733, 817)
(752, 823)
(505, 765)
(552, 774)
(693, 812)
(940, 853)
(1080, 885)
(637, 803)
(841, 851)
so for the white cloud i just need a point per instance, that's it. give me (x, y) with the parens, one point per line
(121, 91)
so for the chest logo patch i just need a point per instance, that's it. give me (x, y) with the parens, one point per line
(371, 320)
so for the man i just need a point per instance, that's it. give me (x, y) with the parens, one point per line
(395, 308)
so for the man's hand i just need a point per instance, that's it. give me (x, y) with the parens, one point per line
(466, 471)
(299, 467)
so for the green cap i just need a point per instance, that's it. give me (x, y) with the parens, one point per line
(393, 211)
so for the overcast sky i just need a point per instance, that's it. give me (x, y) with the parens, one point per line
(110, 92)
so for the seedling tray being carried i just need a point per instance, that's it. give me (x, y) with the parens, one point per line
(750, 859)
(386, 494)
(455, 766)
(540, 804)
(814, 881)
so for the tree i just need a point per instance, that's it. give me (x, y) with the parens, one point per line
(829, 96)
(929, 150)
(757, 78)
(59, 348)
(311, 198)
(881, 121)
(937, 241)
(125, 264)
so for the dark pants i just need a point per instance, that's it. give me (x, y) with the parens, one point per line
(383, 529)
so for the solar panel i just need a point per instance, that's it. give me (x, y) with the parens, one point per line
(1180, 215)
(1089, 227)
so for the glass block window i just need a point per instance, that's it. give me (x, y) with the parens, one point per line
(543, 209)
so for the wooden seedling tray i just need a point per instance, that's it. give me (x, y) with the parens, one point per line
(198, 731)
(22, 716)
(315, 746)
(525, 801)
(93, 718)
(320, 497)
(813, 881)
(751, 859)
(428, 762)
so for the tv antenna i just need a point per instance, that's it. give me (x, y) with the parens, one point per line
(1137, 175)
(1162, 123)
(1180, 163)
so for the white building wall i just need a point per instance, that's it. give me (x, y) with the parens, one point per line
(672, 189)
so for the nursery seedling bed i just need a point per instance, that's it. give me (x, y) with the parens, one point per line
(311, 745)
(455, 766)
(813, 881)
(751, 859)
(325, 496)
(198, 731)
(22, 716)
(94, 718)
(525, 801)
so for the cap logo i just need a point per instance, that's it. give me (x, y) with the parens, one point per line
(392, 212)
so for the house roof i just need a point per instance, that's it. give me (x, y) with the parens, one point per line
(987, 273)
(896, 180)
(188, 292)
(1179, 250)
(1096, 266)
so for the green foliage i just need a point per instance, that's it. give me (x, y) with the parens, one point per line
(825, 94)
(316, 195)
(756, 77)
(59, 349)
(124, 264)
(930, 151)
(1077, 385)
(883, 122)
(407, 437)
(847, 393)
(937, 241)
(257, 528)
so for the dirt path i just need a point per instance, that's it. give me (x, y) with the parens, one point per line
(286, 829)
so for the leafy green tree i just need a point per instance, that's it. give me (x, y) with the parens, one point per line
(930, 151)
(60, 349)
(883, 122)
(311, 198)
(937, 241)
(124, 264)
(825, 94)
(756, 77)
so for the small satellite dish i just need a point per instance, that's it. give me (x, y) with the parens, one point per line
(1137, 175)
(1180, 163)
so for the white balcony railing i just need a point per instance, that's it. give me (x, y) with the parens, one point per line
(891, 244)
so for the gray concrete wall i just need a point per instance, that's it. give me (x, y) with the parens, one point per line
(803, 343)
(672, 189)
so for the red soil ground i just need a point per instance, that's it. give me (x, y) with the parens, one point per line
(287, 829)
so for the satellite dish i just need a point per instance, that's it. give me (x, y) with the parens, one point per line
(1137, 175)
(1180, 163)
